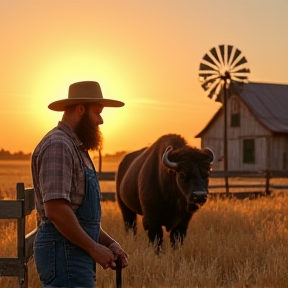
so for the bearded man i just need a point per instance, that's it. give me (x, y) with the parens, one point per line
(70, 239)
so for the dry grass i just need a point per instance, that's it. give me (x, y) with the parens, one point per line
(230, 243)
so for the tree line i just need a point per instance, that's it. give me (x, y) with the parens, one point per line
(7, 155)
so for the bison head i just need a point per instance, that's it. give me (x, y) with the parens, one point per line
(192, 167)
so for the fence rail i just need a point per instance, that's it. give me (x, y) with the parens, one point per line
(265, 175)
(250, 174)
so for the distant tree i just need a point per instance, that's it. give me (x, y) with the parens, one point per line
(6, 155)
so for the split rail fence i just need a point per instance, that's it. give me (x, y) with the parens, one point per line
(24, 205)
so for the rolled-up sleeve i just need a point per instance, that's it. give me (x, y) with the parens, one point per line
(56, 171)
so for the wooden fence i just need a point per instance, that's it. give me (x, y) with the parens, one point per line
(19, 209)
(243, 187)
(24, 205)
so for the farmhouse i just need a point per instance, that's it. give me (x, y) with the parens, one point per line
(257, 128)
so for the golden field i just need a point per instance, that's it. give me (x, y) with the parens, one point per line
(230, 243)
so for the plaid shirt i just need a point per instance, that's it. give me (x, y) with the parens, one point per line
(57, 169)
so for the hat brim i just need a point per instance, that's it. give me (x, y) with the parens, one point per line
(60, 105)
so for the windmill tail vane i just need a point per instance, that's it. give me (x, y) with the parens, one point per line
(219, 66)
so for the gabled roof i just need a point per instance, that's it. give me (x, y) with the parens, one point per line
(267, 102)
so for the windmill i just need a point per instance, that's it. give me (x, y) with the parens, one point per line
(219, 67)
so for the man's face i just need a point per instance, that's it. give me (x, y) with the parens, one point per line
(87, 128)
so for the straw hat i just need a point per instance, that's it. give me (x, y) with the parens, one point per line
(82, 93)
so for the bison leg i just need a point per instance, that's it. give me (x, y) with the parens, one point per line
(178, 234)
(154, 231)
(129, 217)
(155, 236)
(130, 220)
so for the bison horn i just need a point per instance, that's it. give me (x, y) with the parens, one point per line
(210, 153)
(165, 160)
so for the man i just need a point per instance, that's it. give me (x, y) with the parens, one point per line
(70, 240)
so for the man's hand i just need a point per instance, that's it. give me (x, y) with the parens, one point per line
(60, 214)
(119, 252)
(104, 256)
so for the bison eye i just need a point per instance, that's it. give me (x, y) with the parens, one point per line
(182, 176)
(205, 174)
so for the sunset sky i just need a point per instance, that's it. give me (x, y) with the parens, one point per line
(145, 53)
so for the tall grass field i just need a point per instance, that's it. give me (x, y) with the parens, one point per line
(230, 243)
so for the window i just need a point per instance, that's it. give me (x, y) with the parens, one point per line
(249, 151)
(235, 120)
(235, 113)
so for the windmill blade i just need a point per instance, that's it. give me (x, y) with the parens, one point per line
(213, 88)
(239, 75)
(241, 79)
(214, 53)
(218, 93)
(220, 59)
(239, 62)
(207, 66)
(206, 85)
(221, 55)
(209, 81)
(235, 56)
(208, 59)
(240, 69)
(243, 60)
(215, 61)
(232, 55)
(210, 76)
(204, 75)
(222, 51)
(206, 72)
(229, 54)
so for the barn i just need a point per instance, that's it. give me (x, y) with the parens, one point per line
(257, 128)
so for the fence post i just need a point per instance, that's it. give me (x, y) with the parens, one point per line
(23, 281)
(100, 161)
(268, 165)
(267, 189)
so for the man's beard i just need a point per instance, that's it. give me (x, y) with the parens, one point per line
(88, 134)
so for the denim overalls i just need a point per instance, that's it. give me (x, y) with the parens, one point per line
(59, 262)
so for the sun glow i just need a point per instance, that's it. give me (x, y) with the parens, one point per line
(52, 83)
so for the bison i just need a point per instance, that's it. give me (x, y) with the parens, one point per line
(166, 183)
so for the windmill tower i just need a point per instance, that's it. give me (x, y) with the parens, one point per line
(219, 67)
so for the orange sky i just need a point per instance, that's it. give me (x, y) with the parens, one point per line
(145, 53)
